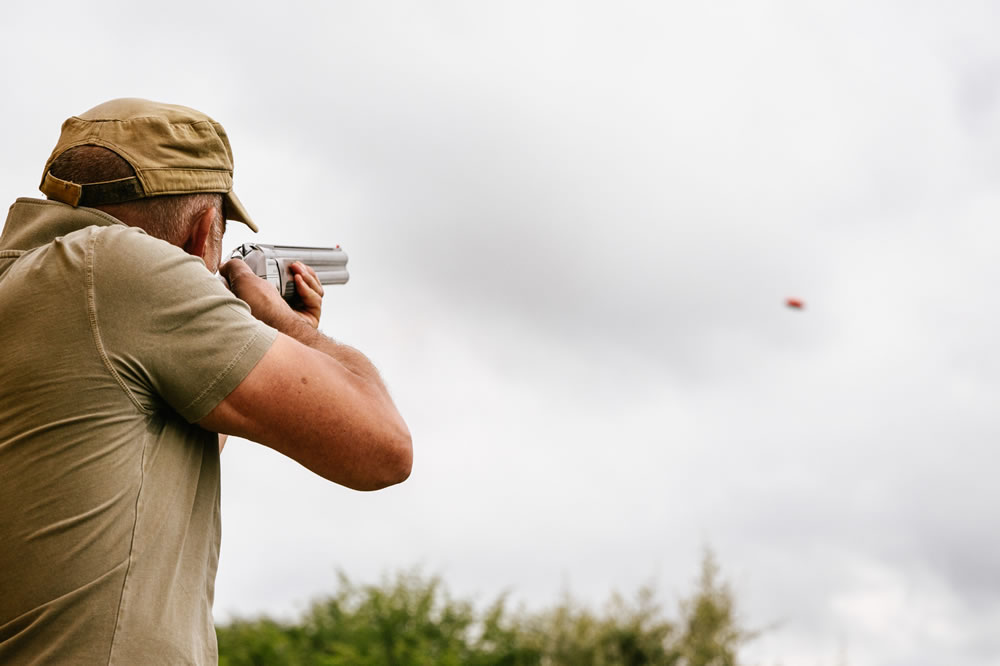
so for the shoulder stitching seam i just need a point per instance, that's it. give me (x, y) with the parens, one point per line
(95, 329)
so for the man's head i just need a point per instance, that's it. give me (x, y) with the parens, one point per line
(165, 168)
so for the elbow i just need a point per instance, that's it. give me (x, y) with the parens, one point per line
(404, 462)
(402, 459)
(395, 465)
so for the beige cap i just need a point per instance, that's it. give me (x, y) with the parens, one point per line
(173, 149)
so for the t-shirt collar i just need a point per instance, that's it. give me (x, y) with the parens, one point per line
(32, 223)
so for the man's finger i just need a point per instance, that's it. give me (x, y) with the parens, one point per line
(239, 277)
(310, 276)
(304, 269)
(313, 281)
(233, 269)
(309, 296)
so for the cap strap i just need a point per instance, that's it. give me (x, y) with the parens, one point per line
(61, 190)
(92, 194)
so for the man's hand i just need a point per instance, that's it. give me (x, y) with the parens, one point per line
(310, 291)
(265, 302)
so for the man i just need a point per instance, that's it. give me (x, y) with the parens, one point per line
(121, 357)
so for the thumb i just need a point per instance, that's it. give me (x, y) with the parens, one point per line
(233, 269)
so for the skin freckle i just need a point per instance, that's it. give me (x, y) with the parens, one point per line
(305, 381)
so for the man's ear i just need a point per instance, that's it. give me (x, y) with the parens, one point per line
(201, 229)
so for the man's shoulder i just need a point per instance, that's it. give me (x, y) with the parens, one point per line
(133, 240)
(124, 252)
(84, 240)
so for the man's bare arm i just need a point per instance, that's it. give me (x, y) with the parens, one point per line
(313, 399)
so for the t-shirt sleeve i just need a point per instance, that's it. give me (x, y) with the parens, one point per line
(169, 331)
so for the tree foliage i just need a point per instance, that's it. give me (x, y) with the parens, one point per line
(411, 620)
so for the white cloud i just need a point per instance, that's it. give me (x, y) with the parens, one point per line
(572, 227)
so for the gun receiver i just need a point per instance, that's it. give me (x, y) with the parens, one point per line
(272, 262)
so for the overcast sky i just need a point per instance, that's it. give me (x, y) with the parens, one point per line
(572, 227)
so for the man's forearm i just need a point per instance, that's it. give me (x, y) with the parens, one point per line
(349, 357)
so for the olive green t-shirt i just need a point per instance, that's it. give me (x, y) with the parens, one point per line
(112, 344)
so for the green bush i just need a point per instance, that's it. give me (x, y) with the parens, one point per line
(411, 620)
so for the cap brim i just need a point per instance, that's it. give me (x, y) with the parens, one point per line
(236, 211)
